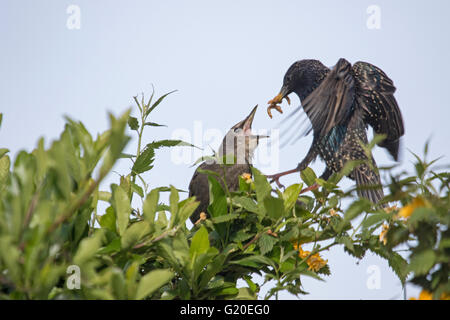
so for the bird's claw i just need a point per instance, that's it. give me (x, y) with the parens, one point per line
(273, 106)
(276, 179)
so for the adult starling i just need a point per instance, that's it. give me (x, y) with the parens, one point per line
(237, 148)
(341, 103)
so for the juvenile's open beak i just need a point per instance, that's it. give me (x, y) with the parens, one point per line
(273, 104)
(247, 123)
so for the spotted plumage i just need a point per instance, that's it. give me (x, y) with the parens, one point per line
(340, 104)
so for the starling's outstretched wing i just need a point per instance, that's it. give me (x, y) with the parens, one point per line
(375, 95)
(330, 103)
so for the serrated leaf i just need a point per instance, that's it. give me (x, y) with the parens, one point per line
(157, 102)
(262, 189)
(246, 203)
(255, 261)
(133, 123)
(375, 218)
(168, 143)
(225, 218)
(274, 207)
(355, 209)
(144, 162)
(422, 262)
(266, 243)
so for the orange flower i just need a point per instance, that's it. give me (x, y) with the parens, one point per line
(407, 210)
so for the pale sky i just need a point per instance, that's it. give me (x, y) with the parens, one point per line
(223, 57)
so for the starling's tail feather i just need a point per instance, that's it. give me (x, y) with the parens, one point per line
(368, 183)
(392, 146)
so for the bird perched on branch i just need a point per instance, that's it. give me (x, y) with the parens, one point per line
(340, 104)
(234, 159)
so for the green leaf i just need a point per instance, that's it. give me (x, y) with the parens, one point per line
(187, 208)
(4, 170)
(266, 243)
(262, 189)
(246, 294)
(375, 218)
(225, 218)
(144, 162)
(137, 189)
(274, 207)
(255, 261)
(153, 124)
(290, 195)
(308, 176)
(108, 220)
(200, 242)
(122, 208)
(134, 233)
(157, 102)
(150, 206)
(3, 151)
(152, 281)
(174, 198)
(422, 262)
(217, 198)
(347, 242)
(168, 143)
(355, 209)
(88, 248)
(246, 203)
(133, 123)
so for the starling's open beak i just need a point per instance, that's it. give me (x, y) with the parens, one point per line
(273, 104)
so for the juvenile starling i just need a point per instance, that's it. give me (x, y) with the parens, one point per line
(237, 148)
(341, 103)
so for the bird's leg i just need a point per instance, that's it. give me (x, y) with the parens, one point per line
(312, 154)
(276, 177)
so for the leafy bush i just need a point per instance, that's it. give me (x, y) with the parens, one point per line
(52, 233)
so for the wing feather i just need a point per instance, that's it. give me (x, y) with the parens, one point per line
(330, 103)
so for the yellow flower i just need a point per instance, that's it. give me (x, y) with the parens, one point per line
(407, 210)
(445, 296)
(247, 177)
(333, 212)
(203, 217)
(383, 234)
(315, 262)
(424, 295)
(391, 209)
